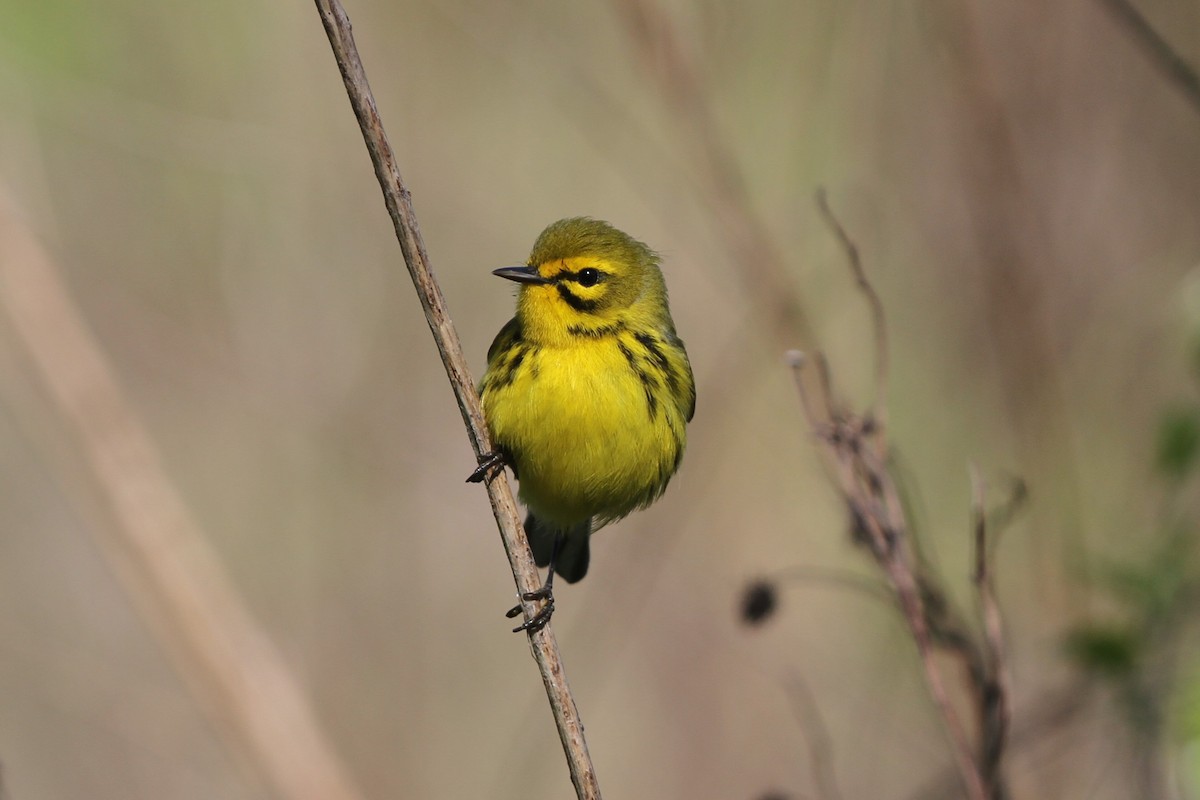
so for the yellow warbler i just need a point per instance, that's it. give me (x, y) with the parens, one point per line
(588, 391)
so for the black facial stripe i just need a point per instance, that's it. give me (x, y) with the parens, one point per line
(597, 333)
(573, 300)
(574, 276)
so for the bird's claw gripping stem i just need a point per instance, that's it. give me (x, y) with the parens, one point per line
(490, 465)
(538, 620)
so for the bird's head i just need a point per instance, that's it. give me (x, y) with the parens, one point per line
(584, 274)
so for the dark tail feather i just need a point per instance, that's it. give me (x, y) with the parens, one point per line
(572, 561)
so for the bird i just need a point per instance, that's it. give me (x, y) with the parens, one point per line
(587, 393)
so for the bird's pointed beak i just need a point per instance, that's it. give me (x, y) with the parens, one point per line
(521, 274)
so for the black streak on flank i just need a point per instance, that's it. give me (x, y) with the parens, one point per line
(647, 381)
(629, 356)
(653, 346)
(510, 369)
(575, 301)
(515, 364)
(649, 385)
(678, 439)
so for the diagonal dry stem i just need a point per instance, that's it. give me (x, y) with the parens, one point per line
(400, 209)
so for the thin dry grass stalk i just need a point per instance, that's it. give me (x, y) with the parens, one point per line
(399, 206)
(156, 547)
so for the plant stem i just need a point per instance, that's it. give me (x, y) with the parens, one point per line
(399, 205)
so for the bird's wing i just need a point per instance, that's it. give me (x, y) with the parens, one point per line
(509, 335)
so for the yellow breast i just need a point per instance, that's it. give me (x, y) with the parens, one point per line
(591, 429)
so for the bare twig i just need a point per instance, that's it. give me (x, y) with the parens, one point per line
(869, 493)
(155, 545)
(879, 406)
(399, 205)
(852, 450)
(1162, 55)
(994, 712)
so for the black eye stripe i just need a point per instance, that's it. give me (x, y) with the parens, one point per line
(575, 301)
(578, 276)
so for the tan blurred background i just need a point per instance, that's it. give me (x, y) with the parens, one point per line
(1025, 191)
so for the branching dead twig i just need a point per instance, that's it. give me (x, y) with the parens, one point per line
(865, 489)
(852, 450)
(399, 205)
(879, 406)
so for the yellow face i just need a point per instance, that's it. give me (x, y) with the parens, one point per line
(585, 284)
(573, 295)
(585, 277)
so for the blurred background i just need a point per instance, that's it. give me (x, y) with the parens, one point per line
(1023, 185)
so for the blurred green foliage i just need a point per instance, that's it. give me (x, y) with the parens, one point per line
(1179, 441)
(1145, 649)
(1107, 650)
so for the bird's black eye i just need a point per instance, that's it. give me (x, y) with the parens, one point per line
(588, 277)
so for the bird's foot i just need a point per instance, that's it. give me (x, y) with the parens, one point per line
(538, 620)
(490, 465)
